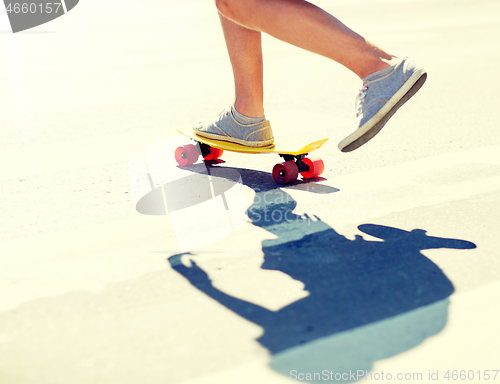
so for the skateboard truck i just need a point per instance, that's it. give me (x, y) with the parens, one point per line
(207, 152)
(301, 166)
(205, 149)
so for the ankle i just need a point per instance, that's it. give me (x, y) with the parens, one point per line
(249, 109)
(245, 120)
(375, 66)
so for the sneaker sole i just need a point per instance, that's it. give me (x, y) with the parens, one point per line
(375, 125)
(254, 144)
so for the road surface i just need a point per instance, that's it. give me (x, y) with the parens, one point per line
(388, 266)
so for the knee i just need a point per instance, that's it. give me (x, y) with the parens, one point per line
(223, 6)
(237, 10)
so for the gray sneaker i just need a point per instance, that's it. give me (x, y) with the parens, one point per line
(226, 128)
(382, 94)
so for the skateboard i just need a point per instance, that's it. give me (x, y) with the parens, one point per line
(294, 154)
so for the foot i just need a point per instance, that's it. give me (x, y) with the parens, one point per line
(236, 128)
(383, 93)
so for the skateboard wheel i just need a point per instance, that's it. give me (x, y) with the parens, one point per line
(286, 172)
(188, 154)
(214, 154)
(316, 167)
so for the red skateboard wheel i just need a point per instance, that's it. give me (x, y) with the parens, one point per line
(188, 154)
(214, 154)
(284, 173)
(316, 167)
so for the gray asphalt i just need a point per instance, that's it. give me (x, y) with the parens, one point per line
(387, 267)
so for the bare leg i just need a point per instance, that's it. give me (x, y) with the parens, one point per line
(247, 125)
(306, 26)
(245, 52)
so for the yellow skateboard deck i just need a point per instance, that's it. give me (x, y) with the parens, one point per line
(290, 148)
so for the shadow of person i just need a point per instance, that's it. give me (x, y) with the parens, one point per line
(352, 284)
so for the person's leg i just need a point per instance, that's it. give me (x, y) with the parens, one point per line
(244, 122)
(387, 82)
(245, 53)
(309, 27)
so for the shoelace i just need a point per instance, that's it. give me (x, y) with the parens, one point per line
(360, 98)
